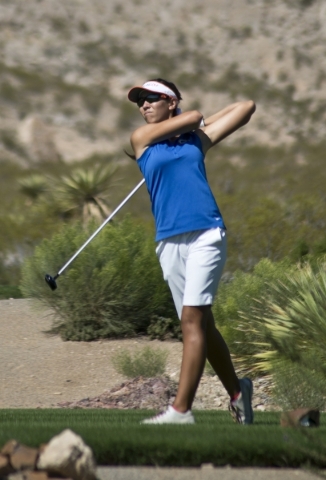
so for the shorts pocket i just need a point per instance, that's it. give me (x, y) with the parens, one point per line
(211, 237)
(159, 248)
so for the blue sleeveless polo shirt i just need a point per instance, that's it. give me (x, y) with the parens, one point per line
(181, 198)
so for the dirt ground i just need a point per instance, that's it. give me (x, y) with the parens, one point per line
(37, 370)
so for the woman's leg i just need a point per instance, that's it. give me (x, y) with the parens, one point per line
(193, 324)
(240, 391)
(200, 339)
(219, 356)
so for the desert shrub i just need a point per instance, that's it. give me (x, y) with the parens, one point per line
(188, 80)
(10, 291)
(300, 3)
(9, 274)
(293, 335)
(95, 53)
(112, 289)
(33, 186)
(146, 363)
(236, 300)
(59, 24)
(295, 386)
(162, 328)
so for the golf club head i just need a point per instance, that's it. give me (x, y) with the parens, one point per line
(51, 282)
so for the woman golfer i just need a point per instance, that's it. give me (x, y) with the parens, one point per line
(170, 151)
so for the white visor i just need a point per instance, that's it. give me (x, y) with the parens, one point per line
(150, 86)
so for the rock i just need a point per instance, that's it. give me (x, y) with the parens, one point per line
(38, 140)
(301, 417)
(159, 392)
(151, 393)
(29, 475)
(24, 458)
(19, 456)
(9, 447)
(5, 467)
(66, 454)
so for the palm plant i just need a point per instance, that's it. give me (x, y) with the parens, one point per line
(85, 192)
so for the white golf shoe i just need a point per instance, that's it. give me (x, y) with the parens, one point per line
(241, 408)
(170, 416)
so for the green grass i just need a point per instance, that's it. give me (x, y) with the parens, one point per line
(117, 438)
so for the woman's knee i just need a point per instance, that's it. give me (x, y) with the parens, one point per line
(193, 318)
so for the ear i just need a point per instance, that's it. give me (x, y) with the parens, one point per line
(173, 103)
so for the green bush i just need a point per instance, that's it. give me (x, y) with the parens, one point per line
(112, 289)
(146, 363)
(162, 328)
(236, 300)
(10, 291)
(9, 275)
(293, 337)
(299, 385)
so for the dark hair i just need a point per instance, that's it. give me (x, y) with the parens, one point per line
(168, 84)
(173, 88)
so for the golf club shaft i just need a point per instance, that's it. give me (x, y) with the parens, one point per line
(100, 227)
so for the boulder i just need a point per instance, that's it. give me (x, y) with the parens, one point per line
(67, 455)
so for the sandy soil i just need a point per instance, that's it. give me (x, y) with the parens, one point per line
(37, 370)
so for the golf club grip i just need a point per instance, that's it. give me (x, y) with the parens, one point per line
(102, 226)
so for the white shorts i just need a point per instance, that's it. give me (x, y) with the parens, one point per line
(192, 265)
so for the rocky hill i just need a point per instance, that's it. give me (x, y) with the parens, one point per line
(66, 67)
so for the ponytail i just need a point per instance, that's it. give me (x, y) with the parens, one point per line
(133, 157)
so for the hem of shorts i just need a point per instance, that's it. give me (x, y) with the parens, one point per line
(203, 301)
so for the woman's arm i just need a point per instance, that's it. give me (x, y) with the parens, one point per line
(156, 132)
(226, 121)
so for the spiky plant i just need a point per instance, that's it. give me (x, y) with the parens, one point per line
(33, 186)
(239, 303)
(297, 322)
(85, 193)
(292, 337)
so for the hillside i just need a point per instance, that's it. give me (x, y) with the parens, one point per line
(66, 68)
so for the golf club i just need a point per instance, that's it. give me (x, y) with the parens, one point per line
(51, 281)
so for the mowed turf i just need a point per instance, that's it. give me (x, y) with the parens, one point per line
(117, 438)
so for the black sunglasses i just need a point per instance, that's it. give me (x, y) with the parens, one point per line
(150, 98)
